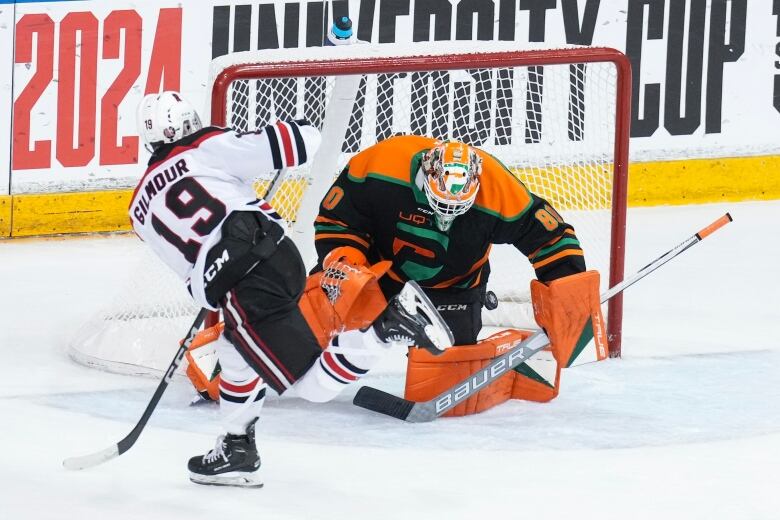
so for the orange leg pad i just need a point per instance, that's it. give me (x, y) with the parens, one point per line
(428, 375)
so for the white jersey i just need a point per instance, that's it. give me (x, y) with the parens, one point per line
(192, 185)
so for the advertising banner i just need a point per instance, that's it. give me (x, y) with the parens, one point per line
(6, 95)
(706, 72)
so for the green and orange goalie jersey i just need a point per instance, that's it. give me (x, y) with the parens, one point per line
(378, 206)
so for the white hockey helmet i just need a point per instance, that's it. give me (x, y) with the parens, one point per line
(165, 118)
(451, 183)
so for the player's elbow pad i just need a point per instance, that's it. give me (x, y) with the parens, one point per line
(311, 138)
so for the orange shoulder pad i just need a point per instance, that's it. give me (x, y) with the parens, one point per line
(390, 159)
(501, 193)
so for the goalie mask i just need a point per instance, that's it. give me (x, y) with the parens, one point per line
(451, 180)
(166, 118)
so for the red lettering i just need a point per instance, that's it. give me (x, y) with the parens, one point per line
(40, 156)
(130, 22)
(77, 83)
(165, 65)
(86, 25)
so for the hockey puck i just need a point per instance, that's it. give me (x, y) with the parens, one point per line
(491, 301)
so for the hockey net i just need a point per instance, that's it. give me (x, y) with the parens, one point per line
(558, 119)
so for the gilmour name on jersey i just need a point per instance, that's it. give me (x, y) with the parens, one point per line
(156, 184)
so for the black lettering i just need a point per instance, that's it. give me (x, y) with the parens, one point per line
(220, 31)
(181, 167)
(389, 10)
(441, 11)
(576, 113)
(472, 124)
(139, 216)
(533, 104)
(292, 14)
(355, 129)
(537, 14)
(504, 94)
(385, 94)
(315, 24)
(150, 189)
(170, 174)
(507, 10)
(438, 104)
(576, 33)
(464, 23)
(267, 34)
(242, 27)
(339, 8)
(776, 12)
(314, 100)
(646, 124)
(684, 122)
(365, 28)
(159, 181)
(721, 52)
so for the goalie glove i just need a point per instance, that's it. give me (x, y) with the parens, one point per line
(344, 254)
(569, 310)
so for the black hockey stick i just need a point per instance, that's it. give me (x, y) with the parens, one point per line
(93, 459)
(410, 411)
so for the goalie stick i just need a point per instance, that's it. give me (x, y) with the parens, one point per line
(382, 402)
(99, 457)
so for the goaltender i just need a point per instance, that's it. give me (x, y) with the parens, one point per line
(434, 208)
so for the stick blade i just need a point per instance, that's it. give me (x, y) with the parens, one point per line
(91, 460)
(382, 402)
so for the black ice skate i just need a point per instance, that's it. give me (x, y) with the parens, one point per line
(233, 462)
(411, 318)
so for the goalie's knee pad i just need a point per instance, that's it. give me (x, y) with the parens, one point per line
(536, 380)
(569, 309)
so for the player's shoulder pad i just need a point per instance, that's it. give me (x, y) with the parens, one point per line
(501, 194)
(389, 160)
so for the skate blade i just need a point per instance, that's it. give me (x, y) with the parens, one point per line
(438, 331)
(234, 479)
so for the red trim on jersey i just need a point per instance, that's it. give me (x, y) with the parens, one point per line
(176, 151)
(287, 143)
(239, 389)
(328, 357)
(267, 351)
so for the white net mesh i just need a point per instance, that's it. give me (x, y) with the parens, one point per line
(552, 125)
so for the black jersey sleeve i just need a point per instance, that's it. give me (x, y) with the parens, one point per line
(550, 243)
(344, 218)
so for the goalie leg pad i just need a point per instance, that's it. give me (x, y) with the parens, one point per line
(202, 367)
(428, 375)
(569, 310)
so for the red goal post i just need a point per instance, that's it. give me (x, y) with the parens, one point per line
(243, 94)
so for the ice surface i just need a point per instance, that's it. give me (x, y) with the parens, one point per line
(686, 425)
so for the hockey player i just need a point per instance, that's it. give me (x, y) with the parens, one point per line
(196, 208)
(435, 208)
